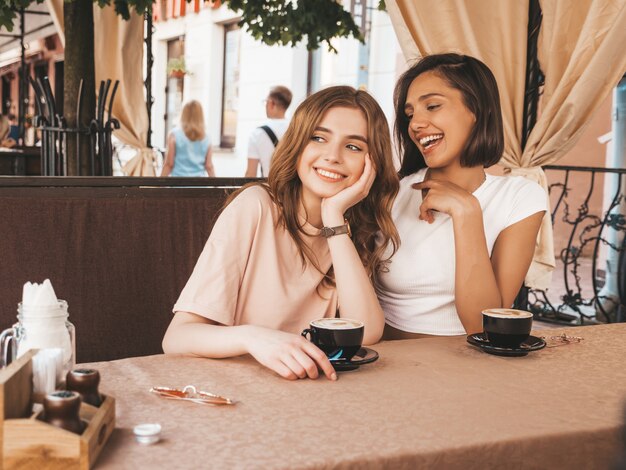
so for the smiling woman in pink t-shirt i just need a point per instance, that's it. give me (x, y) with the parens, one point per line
(266, 271)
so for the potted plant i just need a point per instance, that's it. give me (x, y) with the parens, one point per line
(176, 67)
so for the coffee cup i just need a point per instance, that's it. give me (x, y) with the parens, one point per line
(507, 327)
(339, 338)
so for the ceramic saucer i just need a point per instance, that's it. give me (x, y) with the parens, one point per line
(531, 344)
(362, 356)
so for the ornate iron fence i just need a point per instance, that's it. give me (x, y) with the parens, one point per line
(54, 130)
(589, 283)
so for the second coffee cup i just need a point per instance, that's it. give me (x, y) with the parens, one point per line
(339, 338)
(507, 327)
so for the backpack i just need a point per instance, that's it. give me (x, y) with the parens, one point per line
(272, 137)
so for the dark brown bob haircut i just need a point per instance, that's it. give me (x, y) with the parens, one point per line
(479, 89)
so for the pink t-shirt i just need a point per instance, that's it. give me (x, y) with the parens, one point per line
(250, 272)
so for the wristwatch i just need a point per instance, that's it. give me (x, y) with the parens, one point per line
(328, 232)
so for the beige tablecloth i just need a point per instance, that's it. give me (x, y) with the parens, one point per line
(427, 403)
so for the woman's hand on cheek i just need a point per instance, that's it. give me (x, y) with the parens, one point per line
(334, 207)
(290, 356)
(446, 197)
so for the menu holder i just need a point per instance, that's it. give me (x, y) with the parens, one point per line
(27, 442)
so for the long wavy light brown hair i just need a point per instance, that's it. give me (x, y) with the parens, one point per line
(192, 121)
(370, 219)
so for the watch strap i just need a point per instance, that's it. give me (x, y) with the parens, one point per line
(328, 232)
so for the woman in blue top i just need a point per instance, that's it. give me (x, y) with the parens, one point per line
(188, 146)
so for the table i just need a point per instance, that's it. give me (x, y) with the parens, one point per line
(426, 403)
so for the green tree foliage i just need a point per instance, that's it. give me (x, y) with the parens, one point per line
(8, 9)
(274, 22)
(281, 22)
(286, 22)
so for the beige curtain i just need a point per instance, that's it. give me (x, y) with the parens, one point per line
(581, 54)
(55, 7)
(582, 45)
(119, 56)
(493, 31)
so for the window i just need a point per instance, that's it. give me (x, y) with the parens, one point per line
(6, 94)
(230, 87)
(175, 83)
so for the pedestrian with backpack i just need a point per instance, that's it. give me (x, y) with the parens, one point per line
(263, 139)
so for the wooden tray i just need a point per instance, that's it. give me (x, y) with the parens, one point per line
(29, 443)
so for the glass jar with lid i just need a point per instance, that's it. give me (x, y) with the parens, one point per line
(41, 327)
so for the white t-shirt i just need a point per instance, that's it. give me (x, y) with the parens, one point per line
(417, 292)
(260, 145)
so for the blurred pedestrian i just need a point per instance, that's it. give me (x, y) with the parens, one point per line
(188, 145)
(263, 139)
(14, 132)
(5, 128)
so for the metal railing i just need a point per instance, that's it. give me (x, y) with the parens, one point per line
(55, 131)
(589, 282)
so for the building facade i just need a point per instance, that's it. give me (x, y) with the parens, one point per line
(230, 73)
(43, 57)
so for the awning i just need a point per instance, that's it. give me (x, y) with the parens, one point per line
(163, 11)
(11, 62)
(38, 25)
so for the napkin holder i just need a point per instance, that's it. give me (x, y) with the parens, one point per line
(27, 442)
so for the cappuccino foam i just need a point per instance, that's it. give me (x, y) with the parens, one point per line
(336, 323)
(507, 313)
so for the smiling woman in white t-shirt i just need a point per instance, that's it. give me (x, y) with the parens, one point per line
(467, 238)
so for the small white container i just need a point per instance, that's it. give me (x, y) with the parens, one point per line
(148, 433)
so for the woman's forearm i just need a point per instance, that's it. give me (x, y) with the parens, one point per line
(170, 156)
(357, 298)
(475, 282)
(208, 163)
(206, 340)
(167, 169)
(287, 354)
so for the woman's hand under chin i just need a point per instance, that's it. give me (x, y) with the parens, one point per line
(335, 206)
(446, 197)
